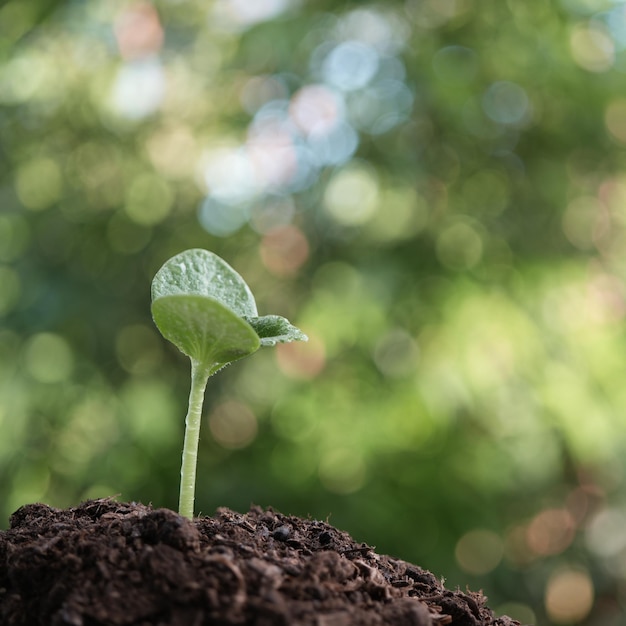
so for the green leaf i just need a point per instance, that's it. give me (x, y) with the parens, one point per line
(204, 329)
(205, 308)
(203, 273)
(273, 329)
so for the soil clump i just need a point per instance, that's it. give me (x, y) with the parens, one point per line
(125, 564)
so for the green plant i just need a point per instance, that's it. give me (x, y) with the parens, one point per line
(207, 310)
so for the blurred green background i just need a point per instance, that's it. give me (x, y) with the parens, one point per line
(434, 190)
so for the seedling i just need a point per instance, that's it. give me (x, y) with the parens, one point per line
(206, 309)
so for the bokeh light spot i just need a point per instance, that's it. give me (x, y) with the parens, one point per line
(150, 414)
(459, 246)
(275, 161)
(550, 532)
(233, 424)
(334, 147)
(228, 174)
(149, 200)
(569, 596)
(506, 102)
(350, 65)
(584, 221)
(403, 214)
(150, 411)
(614, 21)
(479, 551)
(284, 250)
(90, 428)
(38, 183)
(138, 89)
(302, 361)
(96, 167)
(606, 532)
(352, 195)
(222, 219)
(173, 152)
(26, 78)
(48, 358)
(316, 108)
(592, 48)
(319, 113)
(138, 31)
(395, 353)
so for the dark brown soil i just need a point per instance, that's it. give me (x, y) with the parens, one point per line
(113, 563)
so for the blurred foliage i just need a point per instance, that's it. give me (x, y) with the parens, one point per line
(435, 191)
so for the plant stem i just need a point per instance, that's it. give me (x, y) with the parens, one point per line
(199, 377)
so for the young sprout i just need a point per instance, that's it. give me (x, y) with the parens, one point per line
(208, 312)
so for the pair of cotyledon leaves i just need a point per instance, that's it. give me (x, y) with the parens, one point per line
(205, 308)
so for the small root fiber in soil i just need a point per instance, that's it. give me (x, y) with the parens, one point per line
(109, 563)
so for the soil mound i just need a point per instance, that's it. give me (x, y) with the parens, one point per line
(126, 564)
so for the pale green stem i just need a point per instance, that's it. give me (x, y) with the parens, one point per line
(199, 377)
